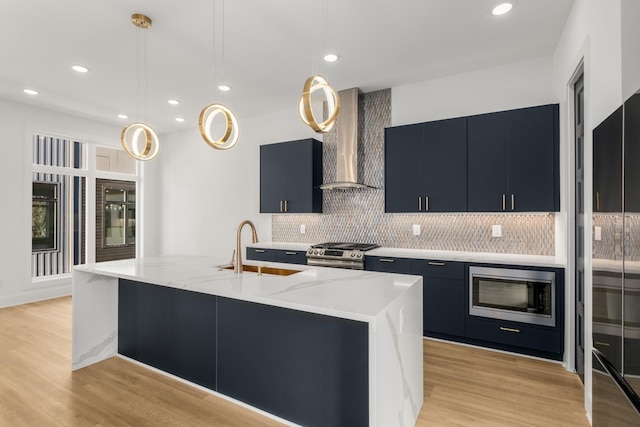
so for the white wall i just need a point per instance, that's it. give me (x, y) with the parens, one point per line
(205, 193)
(18, 122)
(504, 87)
(630, 51)
(592, 34)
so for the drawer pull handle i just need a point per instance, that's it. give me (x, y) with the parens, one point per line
(259, 250)
(291, 253)
(502, 328)
(604, 344)
(386, 260)
(436, 263)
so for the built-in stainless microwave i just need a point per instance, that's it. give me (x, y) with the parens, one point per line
(518, 295)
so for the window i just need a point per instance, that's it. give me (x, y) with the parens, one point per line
(44, 217)
(119, 216)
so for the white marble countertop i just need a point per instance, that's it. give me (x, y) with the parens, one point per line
(483, 257)
(349, 294)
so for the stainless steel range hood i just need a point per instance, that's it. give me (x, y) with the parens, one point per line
(348, 153)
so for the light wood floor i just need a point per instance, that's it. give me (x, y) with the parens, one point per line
(463, 386)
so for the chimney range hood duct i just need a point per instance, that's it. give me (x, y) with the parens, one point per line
(348, 154)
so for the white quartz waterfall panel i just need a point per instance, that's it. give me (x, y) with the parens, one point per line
(398, 367)
(94, 318)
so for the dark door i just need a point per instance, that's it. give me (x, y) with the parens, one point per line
(607, 164)
(404, 168)
(272, 177)
(531, 159)
(579, 225)
(487, 153)
(297, 167)
(445, 166)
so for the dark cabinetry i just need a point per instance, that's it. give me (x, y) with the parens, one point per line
(444, 299)
(300, 366)
(607, 164)
(446, 308)
(277, 255)
(170, 329)
(426, 167)
(290, 176)
(513, 162)
(631, 155)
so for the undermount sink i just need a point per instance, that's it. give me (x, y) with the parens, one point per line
(264, 270)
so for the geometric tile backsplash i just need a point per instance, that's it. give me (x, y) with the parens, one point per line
(358, 215)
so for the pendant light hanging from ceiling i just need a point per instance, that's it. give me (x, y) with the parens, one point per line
(317, 82)
(229, 137)
(138, 139)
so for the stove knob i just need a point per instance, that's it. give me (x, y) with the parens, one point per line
(353, 254)
(359, 255)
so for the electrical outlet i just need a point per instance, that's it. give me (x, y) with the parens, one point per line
(496, 230)
(416, 229)
(597, 233)
(303, 228)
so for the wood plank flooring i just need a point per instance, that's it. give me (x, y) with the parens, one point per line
(463, 386)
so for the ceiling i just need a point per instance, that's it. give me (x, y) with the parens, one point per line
(268, 50)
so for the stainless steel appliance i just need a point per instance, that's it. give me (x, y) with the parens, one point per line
(335, 254)
(508, 294)
(616, 268)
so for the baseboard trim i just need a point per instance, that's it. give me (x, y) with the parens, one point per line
(39, 294)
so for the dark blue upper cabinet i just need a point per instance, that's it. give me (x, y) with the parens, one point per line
(426, 167)
(290, 177)
(513, 160)
(607, 164)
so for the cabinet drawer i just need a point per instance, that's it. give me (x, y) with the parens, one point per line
(291, 257)
(388, 264)
(514, 334)
(260, 254)
(439, 269)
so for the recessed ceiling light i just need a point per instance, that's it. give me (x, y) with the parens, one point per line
(501, 9)
(331, 57)
(179, 119)
(123, 116)
(173, 102)
(30, 91)
(79, 68)
(224, 88)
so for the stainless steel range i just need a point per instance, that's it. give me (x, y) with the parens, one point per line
(343, 255)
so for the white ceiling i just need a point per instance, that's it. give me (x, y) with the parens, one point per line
(268, 50)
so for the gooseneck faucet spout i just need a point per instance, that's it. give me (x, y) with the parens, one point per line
(254, 238)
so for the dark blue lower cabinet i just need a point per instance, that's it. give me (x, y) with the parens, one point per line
(277, 255)
(170, 329)
(310, 369)
(534, 340)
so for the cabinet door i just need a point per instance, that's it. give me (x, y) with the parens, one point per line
(297, 161)
(272, 177)
(487, 154)
(445, 166)
(260, 254)
(533, 159)
(170, 329)
(404, 168)
(310, 369)
(607, 164)
(388, 264)
(444, 296)
(631, 154)
(291, 257)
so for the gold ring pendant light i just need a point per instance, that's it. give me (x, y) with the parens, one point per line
(138, 139)
(312, 84)
(319, 83)
(229, 137)
(231, 128)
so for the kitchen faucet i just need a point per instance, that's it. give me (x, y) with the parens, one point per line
(254, 237)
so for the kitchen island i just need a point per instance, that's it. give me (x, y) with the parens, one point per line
(322, 346)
